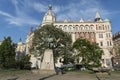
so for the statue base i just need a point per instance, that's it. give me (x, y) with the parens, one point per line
(48, 61)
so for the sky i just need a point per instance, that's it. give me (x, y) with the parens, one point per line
(17, 16)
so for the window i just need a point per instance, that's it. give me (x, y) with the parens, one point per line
(87, 35)
(92, 35)
(65, 27)
(100, 35)
(81, 28)
(107, 35)
(60, 26)
(110, 43)
(100, 28)
(77, 28)
(106, 28)
(107, 43)
(73, 28)
(101, 43)
(69, 27)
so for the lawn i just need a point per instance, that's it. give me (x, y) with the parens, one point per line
(12, 72)
(72, 75)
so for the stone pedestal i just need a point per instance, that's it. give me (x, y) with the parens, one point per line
(48, 61)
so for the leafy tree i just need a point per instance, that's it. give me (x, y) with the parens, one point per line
(25, 62)
(60, 41)
(7, 53)
(89, 52)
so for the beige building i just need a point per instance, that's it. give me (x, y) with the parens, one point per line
(35, 60)
(0, 42)
(116, 41)
(98, 30)
(116, 49)
(20, 50)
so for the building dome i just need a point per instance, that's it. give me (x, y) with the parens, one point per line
(49, 17)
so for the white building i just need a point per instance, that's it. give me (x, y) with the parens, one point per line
(98, 30)
(0, 42)
(20, 50)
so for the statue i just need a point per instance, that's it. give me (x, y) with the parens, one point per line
(50, 42)
(50, 7)
(48, 61)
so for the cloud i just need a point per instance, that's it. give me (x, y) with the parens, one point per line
(22, 21)
(27, 10)
(5, 14)
(19, 21)
(81, 9)
(39, 7)
(21, 17)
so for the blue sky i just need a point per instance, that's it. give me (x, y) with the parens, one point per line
(17, 16)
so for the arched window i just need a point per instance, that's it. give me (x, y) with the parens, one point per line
(73, 28)
(69, 27)
(86, 27)
(60, 26)
(82, 27)
(91, 27)
(65, 27)
(56, 26)
(77, 27)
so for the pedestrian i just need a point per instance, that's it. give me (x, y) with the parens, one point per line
(57, 70)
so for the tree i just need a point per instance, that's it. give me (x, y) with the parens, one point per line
(89, 52)
(50, 37)
(25, 62)
(7, 53)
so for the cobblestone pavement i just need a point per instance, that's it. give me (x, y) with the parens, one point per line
(67, 76)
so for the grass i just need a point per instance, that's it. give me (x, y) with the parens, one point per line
(4, 72)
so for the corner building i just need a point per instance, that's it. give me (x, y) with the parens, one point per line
(98, 30)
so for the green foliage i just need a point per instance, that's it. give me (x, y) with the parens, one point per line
(25, 58)
(25, 62)
(89, 52)
(61, 42)
(7, 53)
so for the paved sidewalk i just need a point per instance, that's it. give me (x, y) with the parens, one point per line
(67, 76)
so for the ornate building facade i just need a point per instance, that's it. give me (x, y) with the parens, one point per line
(20, 50)
(98, 30)
(116, 41)
(116, 49)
